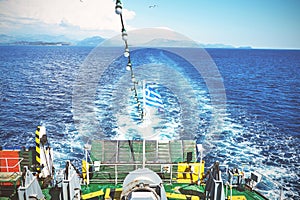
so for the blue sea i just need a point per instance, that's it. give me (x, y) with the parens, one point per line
(245, 109)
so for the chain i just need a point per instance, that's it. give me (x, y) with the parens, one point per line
(118, 10)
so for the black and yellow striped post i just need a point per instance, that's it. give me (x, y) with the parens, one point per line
(37, 148)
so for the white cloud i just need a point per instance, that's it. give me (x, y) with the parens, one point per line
(61, 16)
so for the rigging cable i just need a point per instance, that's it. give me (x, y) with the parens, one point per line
(118, 10)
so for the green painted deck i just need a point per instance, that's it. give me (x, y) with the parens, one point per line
(113, 160)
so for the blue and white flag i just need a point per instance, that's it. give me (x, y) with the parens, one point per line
(152, 97)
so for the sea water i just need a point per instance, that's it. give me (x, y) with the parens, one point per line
(259, 128)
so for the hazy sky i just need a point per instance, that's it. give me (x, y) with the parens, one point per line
(257, 23)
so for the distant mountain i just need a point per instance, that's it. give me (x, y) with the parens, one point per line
(215, 46)
(35, 40)
(245, 47)
(223, 46)
(187, 43)
(170, 43)
(91, 41)
(60, 40)
(6, 39)
(48, 40)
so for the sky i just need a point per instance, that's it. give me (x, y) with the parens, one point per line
(256, 23)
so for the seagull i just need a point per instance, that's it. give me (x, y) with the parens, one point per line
(153, 6)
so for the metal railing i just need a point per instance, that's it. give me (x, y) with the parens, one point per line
(7, 166)
(169, 174)
(271, 189)
(278, 190)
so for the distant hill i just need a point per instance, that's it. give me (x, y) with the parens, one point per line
(187, 43)
(48, 40)
(215, 46)
(61, 40)
(170, 43)
(91, 41)
(5, 39)
(35, 40)
(245, 47)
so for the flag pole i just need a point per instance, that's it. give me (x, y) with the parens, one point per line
(144, 112)
(144, 99)
(144, 153)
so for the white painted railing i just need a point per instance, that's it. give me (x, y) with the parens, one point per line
(7, 166)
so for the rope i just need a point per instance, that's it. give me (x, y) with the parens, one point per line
(118, 10)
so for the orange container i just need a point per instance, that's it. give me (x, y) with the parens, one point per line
(9, 161)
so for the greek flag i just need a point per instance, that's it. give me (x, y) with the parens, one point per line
(152, 97)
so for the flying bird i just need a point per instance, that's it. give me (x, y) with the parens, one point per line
(153, 6)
